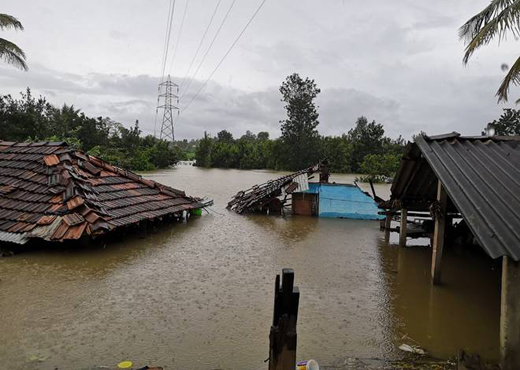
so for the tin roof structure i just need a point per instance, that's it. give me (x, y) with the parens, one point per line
(481, 176)
(53, 192)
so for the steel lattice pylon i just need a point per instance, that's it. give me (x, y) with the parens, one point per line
(168, 96)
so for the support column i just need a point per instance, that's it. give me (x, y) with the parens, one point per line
(438, 234)
(388, 225)
(402, 230)
(510, 315)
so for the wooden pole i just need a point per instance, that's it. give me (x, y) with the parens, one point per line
(402, 230)
(438, 234)
(282, 337)
(510, 315)
(388, 224)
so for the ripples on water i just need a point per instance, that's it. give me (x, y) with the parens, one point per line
(198, 295)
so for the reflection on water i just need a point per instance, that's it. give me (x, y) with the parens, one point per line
(198, 295)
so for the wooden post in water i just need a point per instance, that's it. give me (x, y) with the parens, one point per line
(388, 225)
(438, 234)
(282, 337)
(510, 315)
(402, 230)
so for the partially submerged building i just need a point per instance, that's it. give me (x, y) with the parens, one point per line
(335, 201)
(319, 199)
(52, 192)
(476, 179)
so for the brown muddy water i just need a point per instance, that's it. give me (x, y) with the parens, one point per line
(199, 295)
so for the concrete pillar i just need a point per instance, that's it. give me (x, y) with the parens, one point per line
(438, 234)
(402, 230)
(510, 315)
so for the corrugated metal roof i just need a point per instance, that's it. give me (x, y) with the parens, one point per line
(481, 176)
(47, 190)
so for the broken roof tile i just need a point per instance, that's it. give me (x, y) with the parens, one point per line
(51, 160)
(75, 202)
(73, 219)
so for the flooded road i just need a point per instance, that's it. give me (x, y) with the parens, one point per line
(199, 295)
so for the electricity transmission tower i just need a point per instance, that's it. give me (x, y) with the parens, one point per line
(169, 97)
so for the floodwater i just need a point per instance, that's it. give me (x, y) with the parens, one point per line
(199, 295)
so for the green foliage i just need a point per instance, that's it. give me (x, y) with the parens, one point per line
(299, 134)
(366, 138)
(258, 151)
(508, 124)
(380, 165)
(204, 151)
(338, 151)
(34, 119)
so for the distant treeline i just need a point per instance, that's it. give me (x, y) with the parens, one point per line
(31, 119)
(364, 149)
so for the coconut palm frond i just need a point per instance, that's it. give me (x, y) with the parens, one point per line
(8, 21)
(12, 54)
(512, 77)
(475, 23)
(482, 28)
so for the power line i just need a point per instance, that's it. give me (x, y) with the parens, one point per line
(225, 55)
(200, 44)
(209, 48)
(179, 35)
(169, 22)
(168, 32)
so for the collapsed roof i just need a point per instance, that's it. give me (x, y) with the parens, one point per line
(258, 196)
(481, 176)
(53, 192)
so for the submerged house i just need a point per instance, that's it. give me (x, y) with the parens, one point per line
(335, 201)
(52, 192)
(475, 180)
(320, 199)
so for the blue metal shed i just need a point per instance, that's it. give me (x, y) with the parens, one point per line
(343, 201)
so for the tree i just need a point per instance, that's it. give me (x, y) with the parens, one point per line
(225, 136)
(508, 124)
(365, 138)
(263, 136)
(299, 134)
(9, 51)
(498, 19)
(203, 151)
(377, 165)
(25, 118)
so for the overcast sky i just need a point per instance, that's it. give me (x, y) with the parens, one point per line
(397, 62)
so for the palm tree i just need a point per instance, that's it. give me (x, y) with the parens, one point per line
(9, 51)
(496, 20)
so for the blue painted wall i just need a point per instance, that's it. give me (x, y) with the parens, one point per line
(344, 201)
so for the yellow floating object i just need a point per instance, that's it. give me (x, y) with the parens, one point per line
(125, 365)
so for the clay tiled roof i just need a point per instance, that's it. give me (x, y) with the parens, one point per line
(53, 192)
